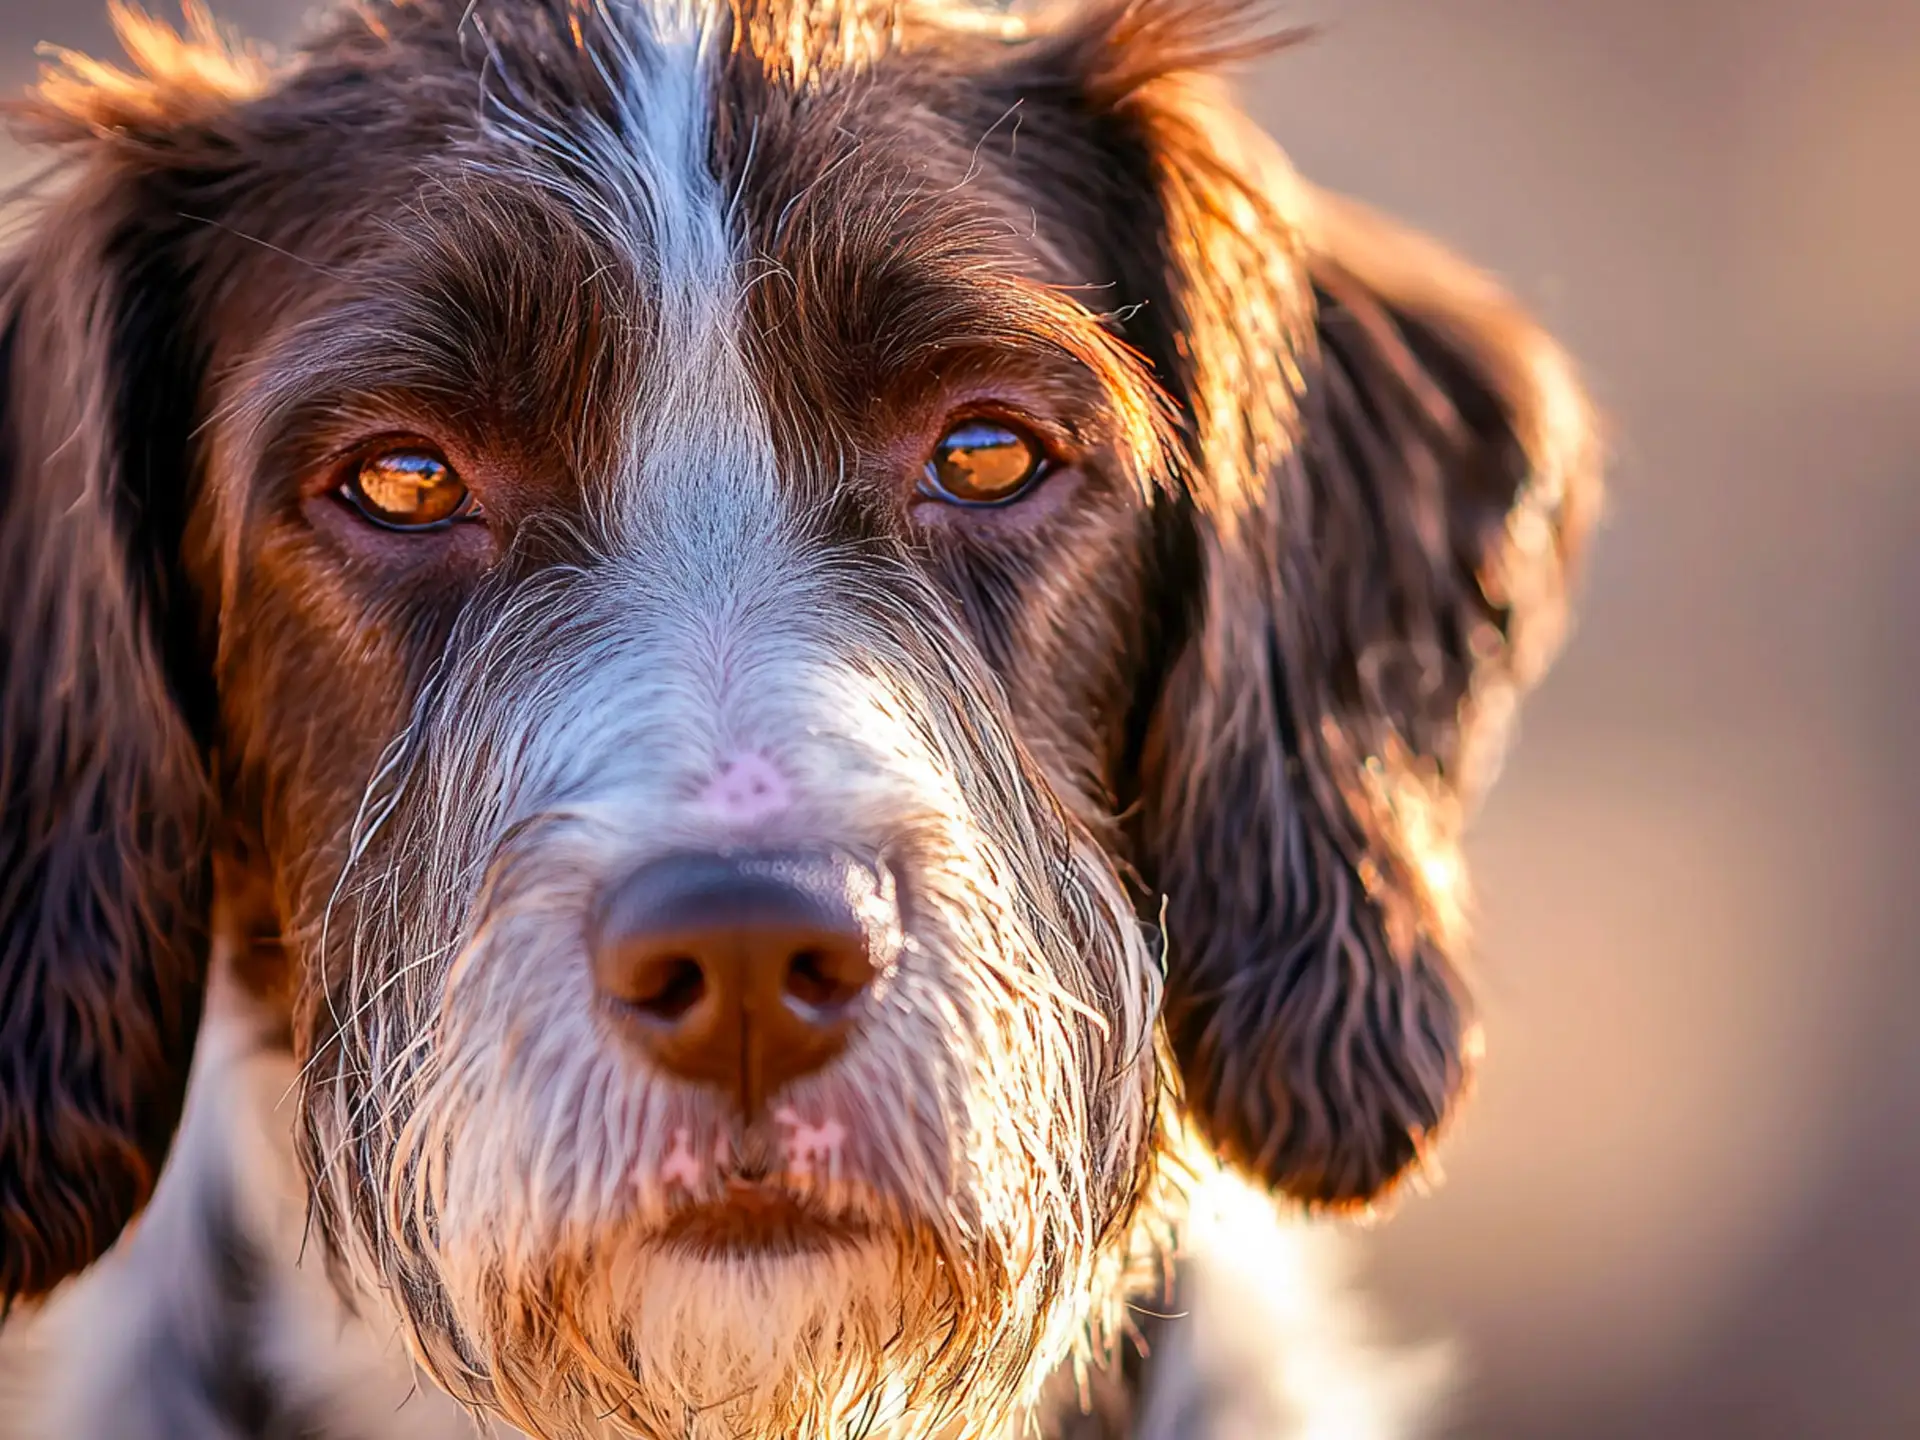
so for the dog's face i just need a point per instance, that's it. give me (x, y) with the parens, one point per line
(743, 592)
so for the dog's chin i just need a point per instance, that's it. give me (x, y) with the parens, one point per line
(757, 1317)
(757, 1314)
(794, 1333)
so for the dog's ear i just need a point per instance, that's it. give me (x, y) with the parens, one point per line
(1383, 562)
(104, 705)
(1389, 475)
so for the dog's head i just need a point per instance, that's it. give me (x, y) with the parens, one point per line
(808, 628)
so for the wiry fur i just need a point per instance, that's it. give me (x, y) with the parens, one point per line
(1017, 1021)
(686, 291)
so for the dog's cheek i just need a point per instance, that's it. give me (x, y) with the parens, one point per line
(1064, 617)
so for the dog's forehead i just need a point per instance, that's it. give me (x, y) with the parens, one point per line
(755, 102)
(774, 115)
(602, 220)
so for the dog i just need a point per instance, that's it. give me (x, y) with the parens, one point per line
(754, 686)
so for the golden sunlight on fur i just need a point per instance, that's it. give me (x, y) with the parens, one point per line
(714, 928)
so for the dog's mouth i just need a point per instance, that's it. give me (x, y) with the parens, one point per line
(758, 1217)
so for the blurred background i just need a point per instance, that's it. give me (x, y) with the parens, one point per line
(1687, 1201)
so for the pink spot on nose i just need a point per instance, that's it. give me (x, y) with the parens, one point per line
(747, 788)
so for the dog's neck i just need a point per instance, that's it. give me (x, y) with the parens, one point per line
(215, 1316)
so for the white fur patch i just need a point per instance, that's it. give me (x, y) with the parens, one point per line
(1277, 1342)
(123, 1351)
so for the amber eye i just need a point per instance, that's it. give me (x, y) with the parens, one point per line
(408, 489)
(984, 462)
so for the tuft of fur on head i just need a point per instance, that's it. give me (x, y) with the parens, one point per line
(176, 76)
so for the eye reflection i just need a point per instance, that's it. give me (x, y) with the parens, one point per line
(983, 462)
(410, 488)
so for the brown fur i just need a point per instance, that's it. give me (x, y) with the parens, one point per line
(1325, 493)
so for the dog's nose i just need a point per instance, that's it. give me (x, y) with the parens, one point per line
(744, 972)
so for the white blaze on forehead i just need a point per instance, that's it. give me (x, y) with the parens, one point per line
(700, 443)
(700, 555)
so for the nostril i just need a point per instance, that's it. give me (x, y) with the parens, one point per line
(666, 986)
(825, 979)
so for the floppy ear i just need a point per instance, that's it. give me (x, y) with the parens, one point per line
(1390, 473)
(104, 709)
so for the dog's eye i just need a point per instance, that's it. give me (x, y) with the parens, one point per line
(408, 489)
(983, 462)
